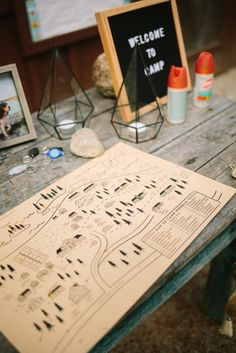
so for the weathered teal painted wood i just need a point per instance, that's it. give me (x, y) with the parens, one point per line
(141, 312)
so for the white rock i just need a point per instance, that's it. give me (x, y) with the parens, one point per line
(85, 143)
(227, 327)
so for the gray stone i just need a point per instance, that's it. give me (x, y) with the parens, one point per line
(102, 76)
(85, 143)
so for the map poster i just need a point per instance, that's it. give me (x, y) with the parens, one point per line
(75, 257)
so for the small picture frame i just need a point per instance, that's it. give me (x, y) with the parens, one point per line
(16, 125)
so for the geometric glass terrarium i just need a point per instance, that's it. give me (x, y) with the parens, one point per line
(65, 106)
(137, 115)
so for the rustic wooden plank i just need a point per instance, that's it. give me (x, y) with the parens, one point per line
(218, 168)
(211, 129)
(203, 143)
(57, 169)
(158, 297)
(16, 189)
(168, 132)
(25, 185)
(21, 187)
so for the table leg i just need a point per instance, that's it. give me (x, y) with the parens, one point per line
(219, 283)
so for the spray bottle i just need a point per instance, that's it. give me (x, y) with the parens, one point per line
(204, 72)
(177, 95)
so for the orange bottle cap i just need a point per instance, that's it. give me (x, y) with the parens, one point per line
(177, 77)
(205, 63)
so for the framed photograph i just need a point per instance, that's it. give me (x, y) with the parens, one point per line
(16, 125)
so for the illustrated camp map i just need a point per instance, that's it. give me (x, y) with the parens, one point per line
(78, 255)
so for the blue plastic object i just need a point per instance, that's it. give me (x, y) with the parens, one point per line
(55, 152)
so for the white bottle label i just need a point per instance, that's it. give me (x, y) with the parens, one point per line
(202, 91)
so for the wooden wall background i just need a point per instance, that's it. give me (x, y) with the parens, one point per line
(80, 54)
(33, 69)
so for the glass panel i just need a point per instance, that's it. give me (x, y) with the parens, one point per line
(200, 21)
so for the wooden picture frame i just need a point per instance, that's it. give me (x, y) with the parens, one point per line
(154, 27)
(16, 125)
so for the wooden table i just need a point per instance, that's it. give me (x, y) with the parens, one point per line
(205, 143)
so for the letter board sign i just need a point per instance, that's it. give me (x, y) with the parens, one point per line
(151, 26)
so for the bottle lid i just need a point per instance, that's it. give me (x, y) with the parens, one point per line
(177, 77)
(205, 63)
